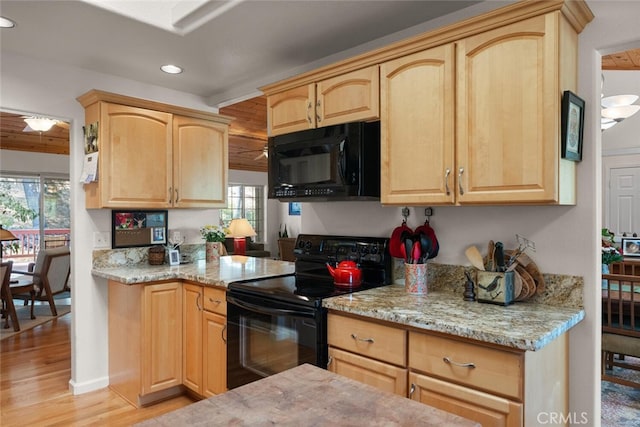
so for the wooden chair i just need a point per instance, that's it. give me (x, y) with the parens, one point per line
(620, 324)
(50, 277)
(8, 310)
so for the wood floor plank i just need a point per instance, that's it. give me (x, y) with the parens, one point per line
(35, 368)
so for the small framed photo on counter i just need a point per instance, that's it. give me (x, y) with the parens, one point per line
(630, 247)
(174, 257)
(572, 126)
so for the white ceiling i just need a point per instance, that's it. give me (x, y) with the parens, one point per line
(227, 48)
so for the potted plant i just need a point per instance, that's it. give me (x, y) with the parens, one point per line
(610, 253)
(214, 236)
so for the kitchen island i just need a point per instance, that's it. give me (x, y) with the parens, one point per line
(307, 395)
(489, 363)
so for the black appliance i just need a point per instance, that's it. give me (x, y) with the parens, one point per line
(340, 162)
(277, 323)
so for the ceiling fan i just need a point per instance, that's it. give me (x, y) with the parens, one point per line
(264, 152)
(42, 124)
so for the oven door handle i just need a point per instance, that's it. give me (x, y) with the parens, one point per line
(270, 311)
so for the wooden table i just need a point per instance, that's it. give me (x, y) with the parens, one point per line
(308, 395)
(19, 284)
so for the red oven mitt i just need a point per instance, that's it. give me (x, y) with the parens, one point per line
(397, 241)
(431, 234)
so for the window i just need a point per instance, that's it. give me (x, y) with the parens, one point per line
(246, 201)
(36, 209)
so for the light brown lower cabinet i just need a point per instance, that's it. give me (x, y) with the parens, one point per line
(383, 376)
(491, 384)
(145, 341)
(204, 345)
(487, 409)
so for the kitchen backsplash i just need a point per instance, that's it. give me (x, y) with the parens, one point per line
(107, 258)
(560, 290)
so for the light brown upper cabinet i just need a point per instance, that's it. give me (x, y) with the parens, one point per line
(417, 128)
(342, 99)
(498, 140)
(153, 155)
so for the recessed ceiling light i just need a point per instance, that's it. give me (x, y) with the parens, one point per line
(6, 22)
(171, 69)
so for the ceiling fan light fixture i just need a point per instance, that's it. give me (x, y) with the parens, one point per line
(171, 69)
(620, 113)
(6, 22)
(607, 123)
(618, 100)
(40, 124)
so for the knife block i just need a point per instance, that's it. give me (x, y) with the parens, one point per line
(495, 288)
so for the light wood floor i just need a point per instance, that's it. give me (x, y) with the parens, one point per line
(35, 368)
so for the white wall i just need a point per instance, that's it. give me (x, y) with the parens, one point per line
(624, 137)
(22, 161)
(567, 238)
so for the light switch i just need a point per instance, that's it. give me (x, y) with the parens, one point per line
(101, 239)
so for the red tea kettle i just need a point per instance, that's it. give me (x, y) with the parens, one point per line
(346, 273)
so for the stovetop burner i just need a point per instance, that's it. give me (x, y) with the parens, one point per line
(312, 281)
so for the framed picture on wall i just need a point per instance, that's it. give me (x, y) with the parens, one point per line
(131, 228)
(294, 208)
(572, 126)
(630, 247)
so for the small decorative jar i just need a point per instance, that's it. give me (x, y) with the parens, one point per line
(156, 255)
(415, 278)
(213, 251)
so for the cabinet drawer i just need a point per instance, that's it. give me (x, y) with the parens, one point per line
(493, 370)
(368, 339)
(215, 300)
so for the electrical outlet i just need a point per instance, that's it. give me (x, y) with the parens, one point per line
(101, 239)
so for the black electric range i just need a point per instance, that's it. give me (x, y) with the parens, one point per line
(278, 323)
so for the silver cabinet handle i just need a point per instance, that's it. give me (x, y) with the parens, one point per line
(223, 333)
(318, 116)
(198, 303)
(460, 172)
(170, 194)
(469, 365)
(177, 198)
(412, 390)
(446, 181)
(215, 301)
(309, 112)
(329, 361)
(355, 337)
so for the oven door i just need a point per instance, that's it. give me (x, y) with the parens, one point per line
(266, 336)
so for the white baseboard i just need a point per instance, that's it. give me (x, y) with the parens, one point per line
(87, 386)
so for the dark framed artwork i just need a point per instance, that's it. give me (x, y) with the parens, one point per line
(630, 247)
(294, 208)
(572, 126)
(132, 228)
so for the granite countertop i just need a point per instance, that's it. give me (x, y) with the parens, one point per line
(227, 269)
(522, 325)
(307, 395)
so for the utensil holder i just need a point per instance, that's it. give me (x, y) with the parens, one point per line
(494, 287)
(415, 279)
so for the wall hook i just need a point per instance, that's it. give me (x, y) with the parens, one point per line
(428, 212)
(405, 213)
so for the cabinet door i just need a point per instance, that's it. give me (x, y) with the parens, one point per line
(215, 354)
(487, 409)
(192, 337)
(508, 114)
(381, 375)
(291, 110)
(162, 337)
(348, 98)
(135, 160)
(200, 161)
(417, 125)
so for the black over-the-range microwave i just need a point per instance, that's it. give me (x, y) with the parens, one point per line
(340, 162)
